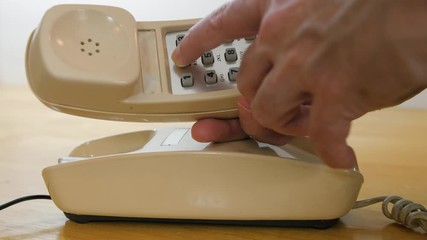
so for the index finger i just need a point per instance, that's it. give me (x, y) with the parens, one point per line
(235, 19)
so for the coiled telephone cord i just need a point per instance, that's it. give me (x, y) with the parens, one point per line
(403, 211)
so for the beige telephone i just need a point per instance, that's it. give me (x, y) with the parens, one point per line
(96, 61)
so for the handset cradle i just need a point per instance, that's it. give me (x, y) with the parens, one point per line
(165, 175)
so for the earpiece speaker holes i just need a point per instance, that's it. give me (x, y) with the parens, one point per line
(90, 47)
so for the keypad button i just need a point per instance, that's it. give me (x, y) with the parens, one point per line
(230, 55)
(179, 38)
(232, 74)
(187, 80)
(211, 77)
(208, 58)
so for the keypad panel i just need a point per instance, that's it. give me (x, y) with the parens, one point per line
(215, 70)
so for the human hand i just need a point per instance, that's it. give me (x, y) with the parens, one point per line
(314, 67)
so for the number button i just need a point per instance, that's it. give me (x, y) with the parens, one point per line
(208, 58)
(232, 74)
(179, 38)
(187, 80)
(211, 77)
(230, 55)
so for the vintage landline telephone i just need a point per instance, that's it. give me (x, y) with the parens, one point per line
(96, 61)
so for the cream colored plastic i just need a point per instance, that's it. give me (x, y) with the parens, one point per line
(189, 180)
(96, 61)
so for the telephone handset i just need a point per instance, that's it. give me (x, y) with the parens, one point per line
(97, 61)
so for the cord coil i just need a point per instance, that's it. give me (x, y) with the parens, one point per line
(403, 211)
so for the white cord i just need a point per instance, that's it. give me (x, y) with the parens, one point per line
(403, 211)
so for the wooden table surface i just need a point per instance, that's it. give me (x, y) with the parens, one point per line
(390, 144)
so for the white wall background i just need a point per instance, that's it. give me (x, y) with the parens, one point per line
(19, 17)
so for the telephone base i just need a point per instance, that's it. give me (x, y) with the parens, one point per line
(316, 224)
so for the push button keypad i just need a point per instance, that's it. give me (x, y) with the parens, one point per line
(230, 55)
(179, 38)
(214, 70)
(208, 58)
(211, 77)
(187, 80)
(232, 74)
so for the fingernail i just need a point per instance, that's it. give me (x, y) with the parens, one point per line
(176, 57)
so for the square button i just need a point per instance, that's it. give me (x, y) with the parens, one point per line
(232, 74)
(211, 77)
(230, 55)
(208, 58)
(179, 38)
(187, 80)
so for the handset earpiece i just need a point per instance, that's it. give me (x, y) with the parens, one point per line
(84, 55)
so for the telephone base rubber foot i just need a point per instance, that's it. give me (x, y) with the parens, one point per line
(317, 224)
